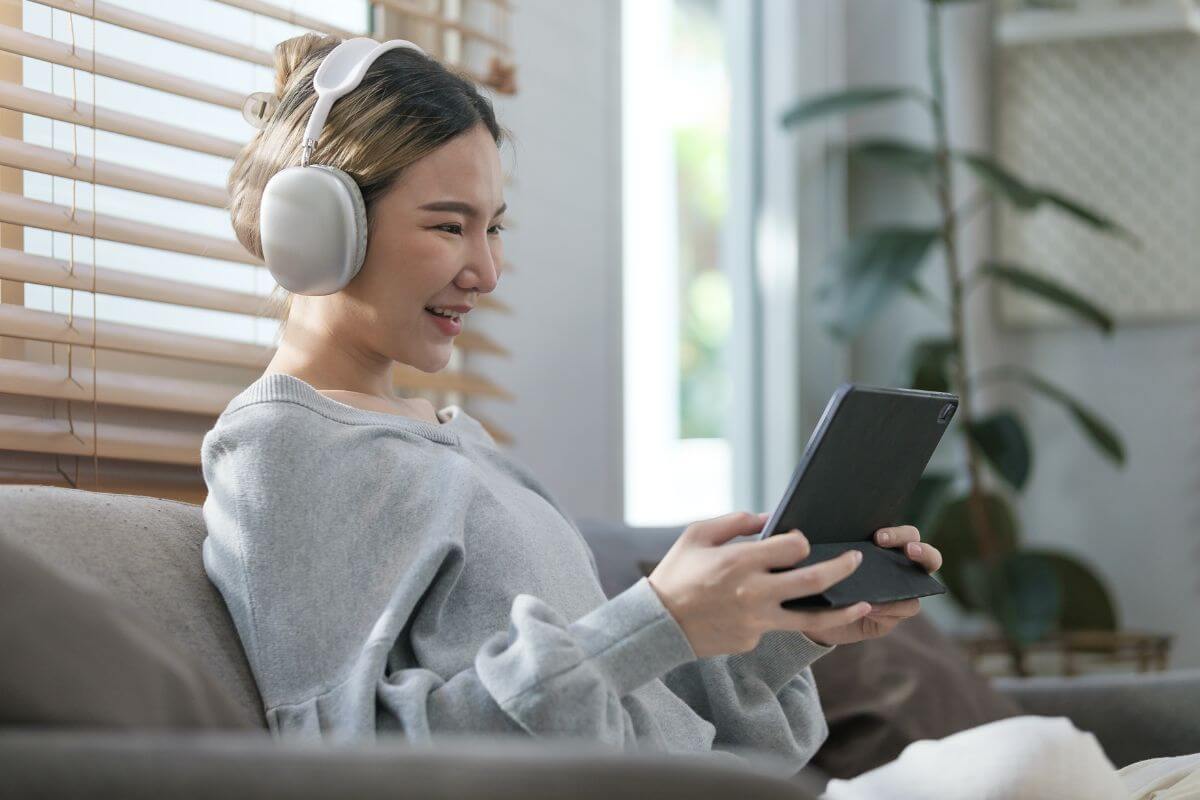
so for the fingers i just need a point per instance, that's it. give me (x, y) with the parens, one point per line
(894, 537)
(805, 581)
(909, 538)
(781, 550)
(787, 620)
(924, 554)
(719, 530)
(900, 609)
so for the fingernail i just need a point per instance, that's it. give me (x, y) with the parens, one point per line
(914, 549)
(857, 557)
(884, 537)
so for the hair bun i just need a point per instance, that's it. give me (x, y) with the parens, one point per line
(291, 55)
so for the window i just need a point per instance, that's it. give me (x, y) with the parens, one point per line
(129, 313)
(678, 274)
(189, 165)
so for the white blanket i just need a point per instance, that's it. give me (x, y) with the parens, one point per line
(1164, 778)
(1020, 757)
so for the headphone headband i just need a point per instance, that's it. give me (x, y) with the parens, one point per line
(340, 72)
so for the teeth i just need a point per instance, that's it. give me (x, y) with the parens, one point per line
(441, 312)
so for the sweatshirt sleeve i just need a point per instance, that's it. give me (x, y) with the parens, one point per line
(324, 571)
(763, 701)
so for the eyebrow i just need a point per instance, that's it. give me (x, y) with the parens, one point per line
(461, 208)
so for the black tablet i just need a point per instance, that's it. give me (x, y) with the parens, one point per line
(861, 463)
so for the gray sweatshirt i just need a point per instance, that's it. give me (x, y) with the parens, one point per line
(389, 574)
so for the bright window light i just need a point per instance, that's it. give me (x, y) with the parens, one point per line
(677, 300)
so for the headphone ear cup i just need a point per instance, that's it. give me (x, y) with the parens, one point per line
(313, 228)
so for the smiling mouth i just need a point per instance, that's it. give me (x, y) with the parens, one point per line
(445, 313)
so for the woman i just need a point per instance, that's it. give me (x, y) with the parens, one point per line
(389, 569)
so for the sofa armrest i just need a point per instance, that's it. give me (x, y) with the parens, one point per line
(1135, 716)
(85, 764)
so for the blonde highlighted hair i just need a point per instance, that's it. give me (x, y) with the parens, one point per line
(407, 105)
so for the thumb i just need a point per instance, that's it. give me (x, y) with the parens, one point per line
(719, 530)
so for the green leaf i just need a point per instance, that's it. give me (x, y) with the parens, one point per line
(1024, 279)
(1087, 604)
(862, 276)
(840, 102)
(1001, 180)
(1027, 197)
(953, 532)
(929, 364)
(1004, 443)
(921, 292)
(1101, 433)
(895, 153)
(1087, 215)
(1024, 596)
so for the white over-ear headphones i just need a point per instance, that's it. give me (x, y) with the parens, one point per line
(312, 221)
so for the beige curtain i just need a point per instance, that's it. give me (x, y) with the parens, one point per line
(118, 399)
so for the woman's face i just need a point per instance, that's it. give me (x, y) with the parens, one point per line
(434, 242)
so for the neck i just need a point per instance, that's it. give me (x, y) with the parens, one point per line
(326, 362)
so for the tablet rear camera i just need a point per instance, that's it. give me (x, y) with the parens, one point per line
(946, 413)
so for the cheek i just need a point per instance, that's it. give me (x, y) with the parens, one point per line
(401, 267)
(498, 256)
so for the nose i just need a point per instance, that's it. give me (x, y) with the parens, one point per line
(484, 264)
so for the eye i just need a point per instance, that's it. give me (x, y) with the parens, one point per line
(495, 229)
(450, 227)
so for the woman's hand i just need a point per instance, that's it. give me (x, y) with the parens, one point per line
(882, 618)
(726, 598)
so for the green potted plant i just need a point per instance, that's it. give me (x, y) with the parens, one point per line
(1028, 592)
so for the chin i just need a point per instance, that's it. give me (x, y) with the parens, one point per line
(429, 362)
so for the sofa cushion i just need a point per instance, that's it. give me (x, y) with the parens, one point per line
(75, 655)
(145, 552)
(883, 694)
(624, 553)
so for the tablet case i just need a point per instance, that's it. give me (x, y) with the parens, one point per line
(861, 463)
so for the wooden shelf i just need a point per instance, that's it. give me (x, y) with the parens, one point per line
(1036, 26)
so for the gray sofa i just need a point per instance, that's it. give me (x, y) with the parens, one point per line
(146, 552)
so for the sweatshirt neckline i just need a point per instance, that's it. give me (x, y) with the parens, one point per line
(280, 386)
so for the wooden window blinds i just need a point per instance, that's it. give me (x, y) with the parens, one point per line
(129, 314)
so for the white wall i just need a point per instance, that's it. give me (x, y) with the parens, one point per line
(1138, 527)
(565, 249)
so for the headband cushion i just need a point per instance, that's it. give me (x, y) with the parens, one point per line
(313, 227)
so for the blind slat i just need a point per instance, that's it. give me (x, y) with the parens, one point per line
(54, 217)
(41, 435)
(24, 43)
(46, 271)
(51, 161)
(156, 445)
(287, 15)
(31, 379)
(406, 9)
(44, 104)
(153, 26)
(48, 326)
